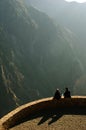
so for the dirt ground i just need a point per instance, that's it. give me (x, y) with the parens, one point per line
(61, 119)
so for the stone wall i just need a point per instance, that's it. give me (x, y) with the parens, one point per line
(14, 117)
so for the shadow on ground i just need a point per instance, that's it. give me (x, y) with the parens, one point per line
(58, 113)
(54, 114)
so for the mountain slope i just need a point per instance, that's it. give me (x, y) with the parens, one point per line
(71, 16)
(35, 56)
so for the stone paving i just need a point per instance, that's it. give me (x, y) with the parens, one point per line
(55, 120)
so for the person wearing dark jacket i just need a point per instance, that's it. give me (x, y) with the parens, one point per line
(67, 93)
(57, 94)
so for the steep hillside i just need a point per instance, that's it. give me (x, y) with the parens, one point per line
(36, 56)
(72, 17)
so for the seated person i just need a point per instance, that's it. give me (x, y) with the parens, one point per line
(57, 94)
(67, 93)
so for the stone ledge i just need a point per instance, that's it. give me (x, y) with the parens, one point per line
(25, 110)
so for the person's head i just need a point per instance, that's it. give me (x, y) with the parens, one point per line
(66, 89)
(57, 90)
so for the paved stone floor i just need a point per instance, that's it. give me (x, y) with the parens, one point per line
(74, 119)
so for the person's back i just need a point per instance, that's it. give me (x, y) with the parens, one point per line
(67, 94)
(57, 94)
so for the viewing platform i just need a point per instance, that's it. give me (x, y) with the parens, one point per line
(48, 114)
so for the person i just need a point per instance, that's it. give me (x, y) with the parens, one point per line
(67, 93)
(57, 94)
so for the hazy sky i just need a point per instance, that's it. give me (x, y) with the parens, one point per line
(79, 1)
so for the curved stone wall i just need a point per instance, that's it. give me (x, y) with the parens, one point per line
(12, 118)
